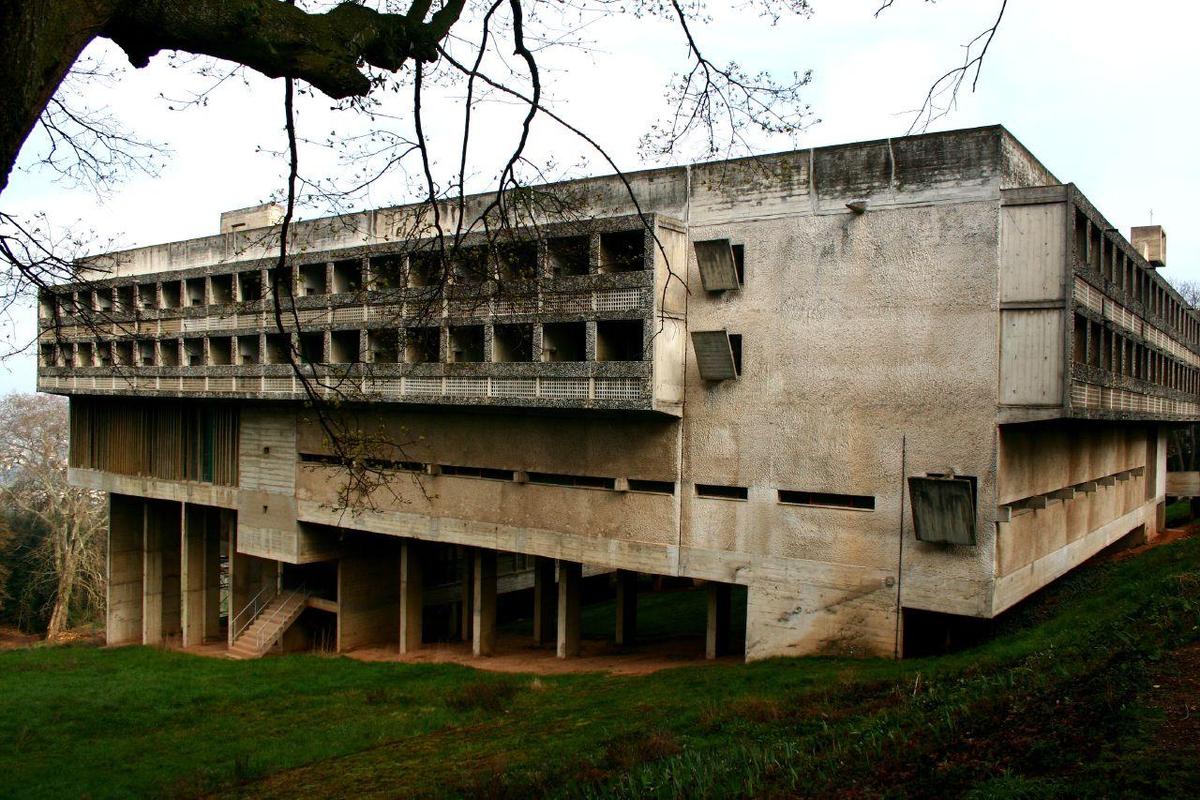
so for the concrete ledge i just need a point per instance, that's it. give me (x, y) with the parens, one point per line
(205, 494)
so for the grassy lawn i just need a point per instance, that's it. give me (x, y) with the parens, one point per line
(1057, 704)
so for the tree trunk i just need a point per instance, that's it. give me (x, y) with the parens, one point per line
(60, 616)
(39, 41)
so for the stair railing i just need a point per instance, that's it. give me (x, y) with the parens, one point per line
(250, 612)
(264, 638)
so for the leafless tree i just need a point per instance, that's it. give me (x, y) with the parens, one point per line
(33, 460)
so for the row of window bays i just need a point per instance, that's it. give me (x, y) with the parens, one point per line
(1097, 344)
(515, 262)
(1101, 249)
(574, 341)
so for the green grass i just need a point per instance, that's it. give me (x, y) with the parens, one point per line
(1053, 706)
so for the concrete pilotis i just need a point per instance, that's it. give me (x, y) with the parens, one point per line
(193, 533)
(570, 581)
(626, 608)
(717, 639)
(483, 640)
(411, 588)
(466, 605)
(544, 601)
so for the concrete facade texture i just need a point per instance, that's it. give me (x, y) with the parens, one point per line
(919, 333)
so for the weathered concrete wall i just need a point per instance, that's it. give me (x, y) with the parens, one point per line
(124, 585)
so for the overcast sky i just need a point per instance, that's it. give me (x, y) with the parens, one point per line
(1102, 91)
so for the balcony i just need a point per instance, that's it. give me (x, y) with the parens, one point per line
(595, 325)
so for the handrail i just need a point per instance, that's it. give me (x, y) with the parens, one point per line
(255, 607)
(261, 640)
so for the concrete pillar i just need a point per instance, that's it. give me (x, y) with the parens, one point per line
(152, 578)
(570, 583)
(412, 573)
(717, 640)
(368, 593)
(544, 601)
(483, 623)
(193, 534)
(626, 608)
(216, 530)
(467, 602)
(126, 528)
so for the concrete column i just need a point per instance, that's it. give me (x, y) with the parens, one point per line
(151, 579)
(467, 602)
(570, 582)
(216, 531)
(544, 601)
(126, 532)
(412, 571)
(626, 608)
(717, 640)
(483, 624)
(193, 534)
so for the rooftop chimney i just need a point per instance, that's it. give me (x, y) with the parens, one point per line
(263, 216)
(1151, 242)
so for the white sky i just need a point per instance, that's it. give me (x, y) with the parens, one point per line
(1101, 91)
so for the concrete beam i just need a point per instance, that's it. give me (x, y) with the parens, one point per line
(717, 638)
(626, 608)
(570, 584)
(412, 575)
(544, 601)
(483, 622)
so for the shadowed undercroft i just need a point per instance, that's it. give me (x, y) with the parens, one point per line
(1067, 699)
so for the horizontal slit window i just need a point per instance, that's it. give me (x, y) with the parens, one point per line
(583, 481)
(651, 487)
(715, 491)
(857, 502)
(477, 472)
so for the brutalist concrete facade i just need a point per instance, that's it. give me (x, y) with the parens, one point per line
(934, 378)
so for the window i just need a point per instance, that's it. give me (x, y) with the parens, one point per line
(312, 280)
(857, 502)
(387, 272)
(466, 343)
(170, 294)
(222, 288)
(422, 345)
(619, 340)
(343, 347)
(581, 481)
(312, 347)
(512, 343)
(476, 472)
(250, 286)
(248, 349)
(651, 487)
(622, 252)
(718, 354)
(384, 346)
(518, 261)
(194, 289)
(718, 262)
(220, 351)
(564, 341)
(424, 269)
(347, 276)
(568, 256)
(718, 492)
(943, 508)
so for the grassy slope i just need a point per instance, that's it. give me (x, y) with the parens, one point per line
(1055, 705)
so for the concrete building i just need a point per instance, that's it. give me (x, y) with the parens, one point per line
(868, 383)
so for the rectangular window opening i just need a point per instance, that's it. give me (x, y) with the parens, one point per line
(856, 502)
(193, 350)
(619, 340)
(517, 261)
(347, 276)
(312, 347)
(735, 344)
(739, 262)
(344, 347)
(580, 481)
(250, 286)
(718, 492)
(170, 294)
(125, 301)
(248, 350)
(220, 351)
(194, 289)
(568, 255)
(222, 288)
(512, 343)
(622, 252)
(651, 487)
(476, 472)
(424, 269)
(466, 344)
(384, 346)
(387, 272)
(422, 345)
(312, 280)
(564, 341)
(278, 347)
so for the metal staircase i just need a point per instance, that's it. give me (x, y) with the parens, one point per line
(264, 621)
